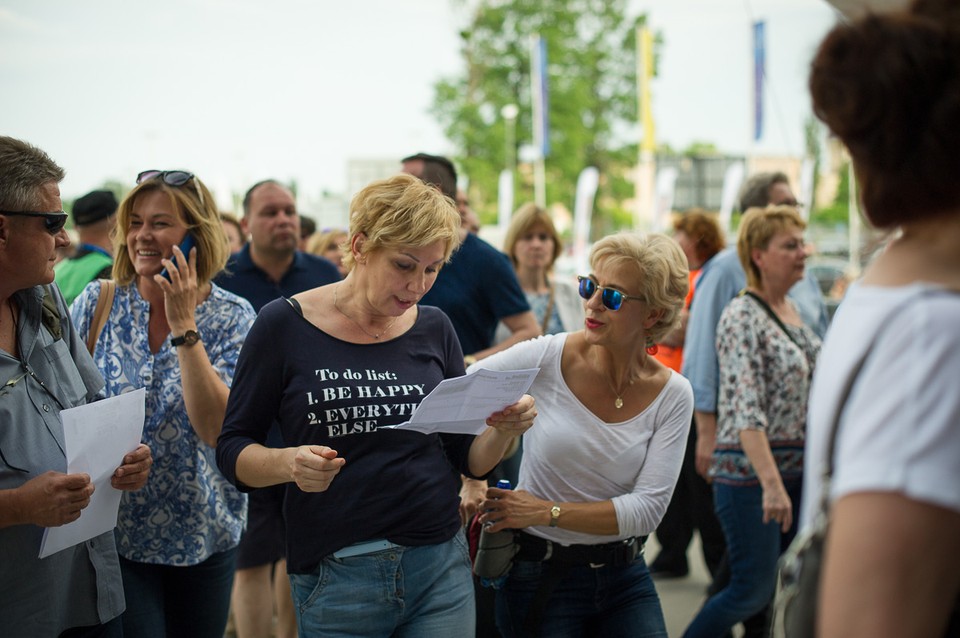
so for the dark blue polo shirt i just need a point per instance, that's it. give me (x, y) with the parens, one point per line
(245, 278)
(476, 290)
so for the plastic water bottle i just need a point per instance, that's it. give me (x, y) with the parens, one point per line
(495, 552)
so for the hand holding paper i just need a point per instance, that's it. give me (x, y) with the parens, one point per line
(462, 405)
(97, 436)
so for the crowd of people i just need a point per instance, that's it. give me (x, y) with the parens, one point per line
(681, 386)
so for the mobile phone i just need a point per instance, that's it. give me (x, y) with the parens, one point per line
(185, 246)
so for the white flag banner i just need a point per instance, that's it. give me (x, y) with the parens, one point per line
(587, 184)
(666, 187)
(732, 180)
(806, 188)
(505, 200)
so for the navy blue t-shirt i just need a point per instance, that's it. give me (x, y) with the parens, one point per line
(477, 289)
(243, 277)
(397, 485)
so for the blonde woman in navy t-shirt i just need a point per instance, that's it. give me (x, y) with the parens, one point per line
(373, 524)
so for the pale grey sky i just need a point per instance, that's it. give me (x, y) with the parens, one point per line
(239, 90)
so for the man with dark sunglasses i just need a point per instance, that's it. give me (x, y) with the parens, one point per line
(45, 368)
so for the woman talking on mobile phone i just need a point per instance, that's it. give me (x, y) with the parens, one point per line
(171, 331)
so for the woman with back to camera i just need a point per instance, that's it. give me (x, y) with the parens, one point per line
(179, 338)
(373, 523)
(889, 87)
(599, 468)
(766, 356)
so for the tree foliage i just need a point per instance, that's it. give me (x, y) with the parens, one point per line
(591, 66)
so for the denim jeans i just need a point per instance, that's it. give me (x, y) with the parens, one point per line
(167, 600)
(611, 602)
(753, 549)
(405, 592)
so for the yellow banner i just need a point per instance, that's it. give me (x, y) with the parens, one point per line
(644, 75)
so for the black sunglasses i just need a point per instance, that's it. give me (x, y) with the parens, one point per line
(170, 178)
(611, 297)
(53, 222)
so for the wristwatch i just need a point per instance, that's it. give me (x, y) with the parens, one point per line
(189, 338)
(554, 515)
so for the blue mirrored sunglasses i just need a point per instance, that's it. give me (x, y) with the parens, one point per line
(53, 222)
(610, 297)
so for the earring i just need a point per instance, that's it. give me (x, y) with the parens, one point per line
(652, 348)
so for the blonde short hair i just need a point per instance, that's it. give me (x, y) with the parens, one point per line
(662, 273)
(201, 218)
(757, 228)
(321, 242)
(402, 211)
(526, 217)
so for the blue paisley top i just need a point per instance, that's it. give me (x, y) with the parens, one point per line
(187, 511)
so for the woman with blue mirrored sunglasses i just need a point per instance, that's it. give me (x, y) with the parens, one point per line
(599, 468)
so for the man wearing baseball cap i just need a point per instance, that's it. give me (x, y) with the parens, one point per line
(94, 216)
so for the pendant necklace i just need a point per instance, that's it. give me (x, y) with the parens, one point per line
(619, 402)
(377, 336)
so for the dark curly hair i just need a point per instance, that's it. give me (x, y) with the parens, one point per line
(889, 87)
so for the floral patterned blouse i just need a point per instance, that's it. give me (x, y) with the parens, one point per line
(187, 511)
(764, 385)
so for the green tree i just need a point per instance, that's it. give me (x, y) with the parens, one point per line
(591, 66)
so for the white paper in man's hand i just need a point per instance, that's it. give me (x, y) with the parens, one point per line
(462, 405)
(97, 436)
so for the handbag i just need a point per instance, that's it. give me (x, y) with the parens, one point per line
(100, 312)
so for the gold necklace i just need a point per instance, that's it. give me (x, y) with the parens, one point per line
(336, 305)
(619, 402)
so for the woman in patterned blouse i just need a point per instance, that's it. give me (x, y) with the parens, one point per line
(766, 356)
(178, 336)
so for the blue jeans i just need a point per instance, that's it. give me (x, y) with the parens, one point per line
(753, 549)
(405, 592)
(167, 600)
(610, 602)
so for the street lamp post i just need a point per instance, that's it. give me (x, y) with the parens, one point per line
(505, 196)
(509, 113)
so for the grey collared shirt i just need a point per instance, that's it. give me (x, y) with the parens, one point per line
(81, 585)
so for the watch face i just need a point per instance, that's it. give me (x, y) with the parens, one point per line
(190, 337)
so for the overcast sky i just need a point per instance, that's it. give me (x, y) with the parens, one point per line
(239, 90)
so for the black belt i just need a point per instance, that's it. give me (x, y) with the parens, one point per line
(615, 554)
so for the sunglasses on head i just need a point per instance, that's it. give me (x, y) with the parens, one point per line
(610, 297)
(53, 222)
(170, 178)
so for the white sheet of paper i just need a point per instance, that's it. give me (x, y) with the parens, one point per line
(96, 437)
(462, 405)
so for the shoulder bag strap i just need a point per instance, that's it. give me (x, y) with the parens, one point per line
(100, 313)
(773, 315)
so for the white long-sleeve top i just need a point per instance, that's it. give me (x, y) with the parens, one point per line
(571, 455)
